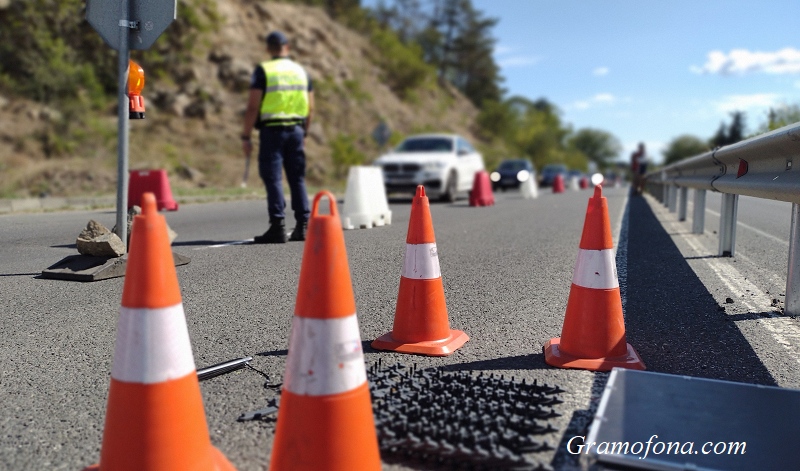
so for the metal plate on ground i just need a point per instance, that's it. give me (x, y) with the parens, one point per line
(86, 268)
(717, 425)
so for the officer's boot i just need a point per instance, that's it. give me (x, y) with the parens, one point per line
(276, 234)
(299, 232)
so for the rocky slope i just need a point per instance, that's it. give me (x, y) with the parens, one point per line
(194, 118)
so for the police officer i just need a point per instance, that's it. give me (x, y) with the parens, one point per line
(280, 106)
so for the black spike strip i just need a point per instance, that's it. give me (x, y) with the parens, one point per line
(460, 421)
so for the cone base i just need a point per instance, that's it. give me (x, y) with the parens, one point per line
(481, 203)
(221, 463)
(555, 357)
(435, 348)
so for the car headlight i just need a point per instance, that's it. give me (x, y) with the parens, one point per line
(495, 177)
(523, 175)
(433, 165)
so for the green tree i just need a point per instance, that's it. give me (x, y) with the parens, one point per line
(600, 147)
(732, 133)
(683, 147)
(781, 116)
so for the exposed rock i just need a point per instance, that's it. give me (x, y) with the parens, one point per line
(49, 114)
(107, 245)
(189, 173)
(92, 230)
(316, 132)
(97, 241)
(199, 108)
(235, 74)
(4, 4)
(3, 100)
(180, 103)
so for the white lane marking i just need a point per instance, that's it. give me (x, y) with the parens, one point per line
(152, 345)
(596, 269)
(622, 215)
(782, 329)
(226, 244)
(748, 227)
(421, 262)
(325, 356)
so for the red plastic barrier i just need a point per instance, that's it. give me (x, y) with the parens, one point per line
(151, 181)
(481, 194)
(558, 184)
(584, 183)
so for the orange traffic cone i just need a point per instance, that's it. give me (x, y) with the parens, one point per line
(420, 320)
(325, 419)
(558, 184)
(155, 418)
(593, 335)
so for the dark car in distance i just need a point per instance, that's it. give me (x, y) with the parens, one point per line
(549, 173)
(511, 173)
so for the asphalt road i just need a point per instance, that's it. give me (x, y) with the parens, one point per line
(506, 269)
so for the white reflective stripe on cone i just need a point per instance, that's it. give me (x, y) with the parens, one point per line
(325, 356)
(596, 269)
(421, 262)
(152, 345)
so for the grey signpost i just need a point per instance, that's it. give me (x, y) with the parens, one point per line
(126, 25)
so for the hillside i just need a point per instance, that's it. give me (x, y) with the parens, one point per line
(194, 115)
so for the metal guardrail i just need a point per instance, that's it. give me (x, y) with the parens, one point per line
(763, 167)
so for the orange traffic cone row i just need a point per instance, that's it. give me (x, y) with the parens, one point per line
(155, 418)
(325, 419)
(558, 184)
(420, 320)
(481, 194)
(593, 335)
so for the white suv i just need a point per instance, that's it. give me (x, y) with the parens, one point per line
(444, 163)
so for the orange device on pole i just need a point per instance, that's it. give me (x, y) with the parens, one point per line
(135, 86)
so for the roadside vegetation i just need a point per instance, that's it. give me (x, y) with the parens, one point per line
(687, 145)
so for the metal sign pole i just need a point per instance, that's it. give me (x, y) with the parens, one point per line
(122, 125)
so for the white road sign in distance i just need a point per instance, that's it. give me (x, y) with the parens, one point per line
(150, 16)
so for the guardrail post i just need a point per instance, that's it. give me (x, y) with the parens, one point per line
(682, 205)
(792, 305)
(699, 216)
(673, 198)
(727, 225)
(664, 193)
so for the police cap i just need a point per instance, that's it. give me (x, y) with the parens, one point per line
(276, 38)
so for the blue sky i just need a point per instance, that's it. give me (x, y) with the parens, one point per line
(650, 70)
(646, 70)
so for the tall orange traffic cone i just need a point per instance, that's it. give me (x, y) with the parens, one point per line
(155, 418)
(325, 419)
(420, 320)
(593, 335)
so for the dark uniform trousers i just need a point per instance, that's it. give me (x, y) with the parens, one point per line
(283, 146)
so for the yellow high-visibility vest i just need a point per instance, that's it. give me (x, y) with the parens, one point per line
(286, 99)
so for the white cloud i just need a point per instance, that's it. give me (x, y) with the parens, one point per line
(517, 61)
(742, 61)
(500, 50)
(746, 102)
(600, 71)
(599, 99)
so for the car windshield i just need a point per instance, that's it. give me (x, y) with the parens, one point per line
(513, 165)
(554, 169)
(426, 144)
